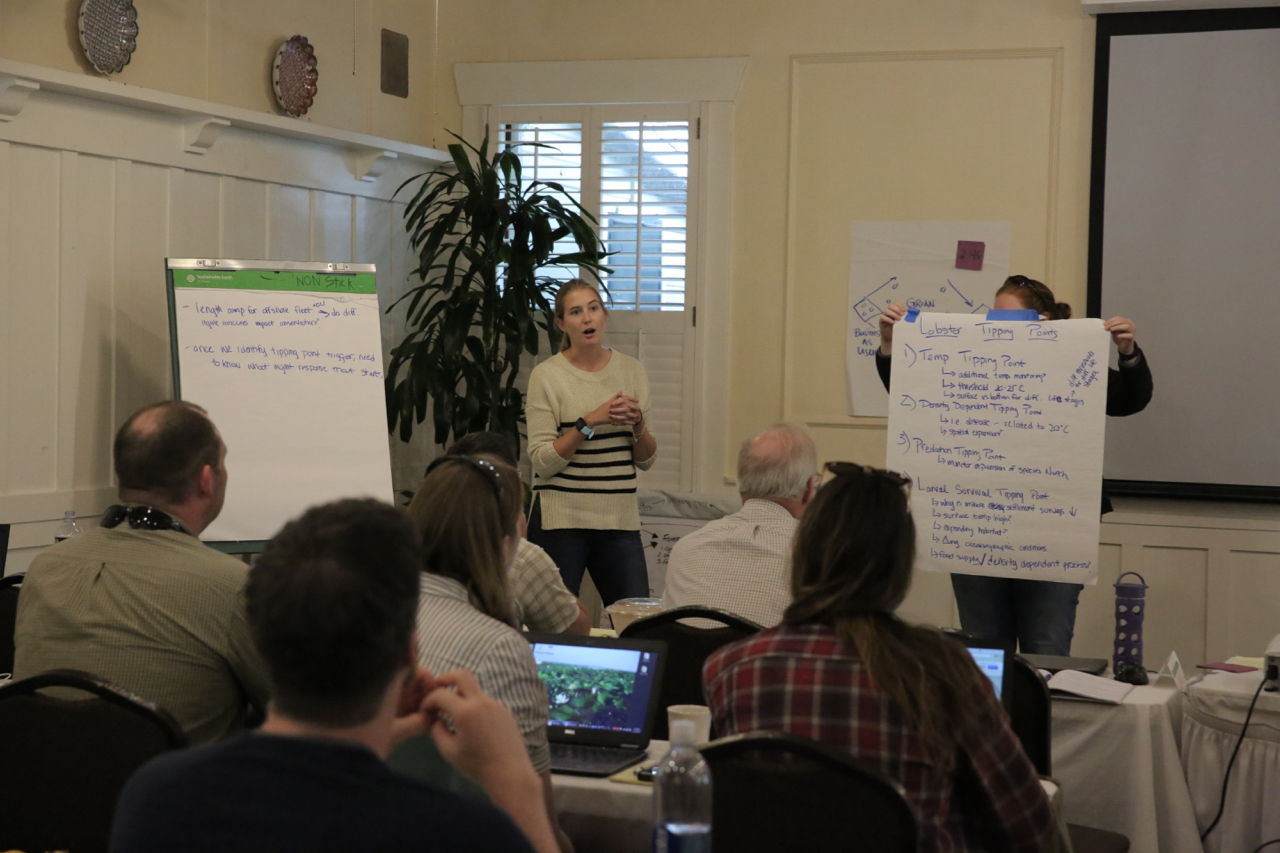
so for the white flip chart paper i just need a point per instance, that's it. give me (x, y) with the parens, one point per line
(293, 380)
(999, 425)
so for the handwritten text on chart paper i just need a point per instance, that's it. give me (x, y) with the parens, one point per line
(275, 334)
(999, 425)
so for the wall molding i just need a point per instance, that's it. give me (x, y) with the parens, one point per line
(1102, 7)
(13, 95)
(1054, 55)
(605, 81)
(49, 108)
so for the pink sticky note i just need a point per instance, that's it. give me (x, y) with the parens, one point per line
(969, 254)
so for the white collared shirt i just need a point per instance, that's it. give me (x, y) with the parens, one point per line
(740, 563)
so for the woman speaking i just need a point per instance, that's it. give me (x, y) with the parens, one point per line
(587, 436)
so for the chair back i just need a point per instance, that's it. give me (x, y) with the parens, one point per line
(773, 791)
(1030, 712)
(9, 586)
(688, 648)
(66, 760)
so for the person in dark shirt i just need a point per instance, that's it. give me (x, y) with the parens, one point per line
(1039, 615)
(331, 606)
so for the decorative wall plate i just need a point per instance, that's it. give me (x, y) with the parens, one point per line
(108, 33)
(294, 76)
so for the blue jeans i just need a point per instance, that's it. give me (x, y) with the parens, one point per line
(1039, 615)
(615, 558)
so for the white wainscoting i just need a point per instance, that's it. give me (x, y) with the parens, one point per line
(98, 185)
(1213, 572)
(1214, 575)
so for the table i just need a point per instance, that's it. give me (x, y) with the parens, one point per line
(613, 817)
(607, 817)
(1120, 769)
(1214, 711)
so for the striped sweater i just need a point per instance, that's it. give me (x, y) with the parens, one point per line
(596, 489)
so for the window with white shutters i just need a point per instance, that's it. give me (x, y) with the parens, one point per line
(632, 168)
(643, 211)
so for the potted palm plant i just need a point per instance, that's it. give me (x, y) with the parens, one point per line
(484, 240)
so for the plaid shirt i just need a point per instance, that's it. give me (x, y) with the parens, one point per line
(538, 596)
(803, 679)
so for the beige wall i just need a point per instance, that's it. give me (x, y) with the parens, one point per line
(783, 356)
(222, 51)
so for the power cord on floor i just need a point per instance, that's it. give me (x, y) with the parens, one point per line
(1266, 844)
(1226, 777)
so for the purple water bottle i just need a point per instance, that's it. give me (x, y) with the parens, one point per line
(1131, 608)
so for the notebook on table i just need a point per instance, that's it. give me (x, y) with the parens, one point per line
(1057, 663)
(602, 695)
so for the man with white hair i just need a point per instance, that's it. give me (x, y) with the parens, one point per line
(742, 562)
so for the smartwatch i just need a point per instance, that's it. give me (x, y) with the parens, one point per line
(584, 429)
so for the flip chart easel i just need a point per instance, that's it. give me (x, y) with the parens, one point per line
(999, 425)
(287, 360)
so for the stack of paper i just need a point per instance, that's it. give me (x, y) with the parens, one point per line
(1090, 687)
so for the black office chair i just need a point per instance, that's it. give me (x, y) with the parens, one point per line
(66, 760)
(775, 791)
(9, 586)
(1031, 718)
(1030, 712)
(688, 648)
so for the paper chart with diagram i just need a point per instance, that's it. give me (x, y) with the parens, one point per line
(925, 265)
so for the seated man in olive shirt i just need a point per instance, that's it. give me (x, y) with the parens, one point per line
(140, 601)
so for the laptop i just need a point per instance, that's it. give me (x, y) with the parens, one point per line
(991, 657)
(993, 662)
(602, 694)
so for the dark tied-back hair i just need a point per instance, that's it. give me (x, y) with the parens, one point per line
(851, 567)
(332, 603)
(1037, 296)
(162, 448)
(486, 444)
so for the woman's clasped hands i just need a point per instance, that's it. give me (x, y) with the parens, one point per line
(618, 410)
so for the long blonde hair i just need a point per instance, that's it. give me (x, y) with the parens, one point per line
(463, 512)
(851, 567)
(563, 293)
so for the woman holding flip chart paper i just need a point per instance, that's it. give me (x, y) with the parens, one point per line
(587, 436)
(1039, 615)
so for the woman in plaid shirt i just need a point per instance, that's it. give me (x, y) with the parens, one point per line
(844, 670)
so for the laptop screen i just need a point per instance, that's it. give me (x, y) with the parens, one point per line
(991, 662)
(598, 688)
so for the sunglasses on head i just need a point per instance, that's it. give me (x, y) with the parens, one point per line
(139, 517)
(484, 466)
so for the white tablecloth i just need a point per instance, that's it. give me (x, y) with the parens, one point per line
(606, 817)
(1213, 714)
(614, 817)
(1120, 769)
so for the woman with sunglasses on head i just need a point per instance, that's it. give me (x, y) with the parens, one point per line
(842, 669)
(1039, 615)
(470, 511)
(587, 436)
